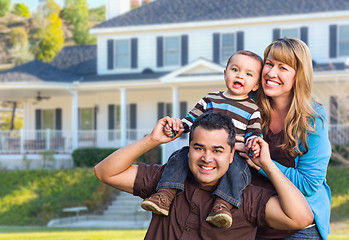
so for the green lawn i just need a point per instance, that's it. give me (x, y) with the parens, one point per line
(44, 233)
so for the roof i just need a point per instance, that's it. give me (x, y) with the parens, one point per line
(182, 11)
(80, 60)
(123, 77)
(37, 71)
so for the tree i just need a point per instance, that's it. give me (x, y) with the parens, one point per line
(76, 12)
(21, 54)
(50, 7)
(4, 7)
(51, 39)
(21, 9)
(18, 35)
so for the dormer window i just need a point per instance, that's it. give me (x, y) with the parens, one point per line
(172, 51)
(122, 54)
(343, 41)
(225, 44)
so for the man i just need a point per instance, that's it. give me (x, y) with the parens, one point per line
(210, 153)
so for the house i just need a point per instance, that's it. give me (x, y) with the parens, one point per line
(160, 59)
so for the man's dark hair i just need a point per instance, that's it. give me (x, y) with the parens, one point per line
(213, 120)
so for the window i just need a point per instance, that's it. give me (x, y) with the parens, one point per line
(114, 118)
(227, 47)
(172, 51)
(122, 54)
(291, 32)
(343, 41)
(164, 109)
(86, 119)
(48, 119)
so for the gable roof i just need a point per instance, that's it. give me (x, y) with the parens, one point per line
(80, 60)
(37, 71)
(182, 11)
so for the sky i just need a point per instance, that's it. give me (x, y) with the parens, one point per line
(32, 4)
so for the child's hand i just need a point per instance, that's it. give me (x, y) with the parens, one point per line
(254, 150)
(173, 128)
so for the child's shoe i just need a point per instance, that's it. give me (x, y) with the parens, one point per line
(159, 203)
(220, 216)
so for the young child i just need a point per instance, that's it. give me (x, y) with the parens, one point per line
(241, 76)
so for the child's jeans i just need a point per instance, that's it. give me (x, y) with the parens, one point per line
(229, 188)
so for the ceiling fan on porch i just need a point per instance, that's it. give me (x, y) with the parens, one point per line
(39, 97)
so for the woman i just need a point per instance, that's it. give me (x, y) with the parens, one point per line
(295, 126)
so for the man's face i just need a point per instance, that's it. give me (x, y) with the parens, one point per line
(209, 155)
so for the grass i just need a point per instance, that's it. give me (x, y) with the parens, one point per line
(44, 233)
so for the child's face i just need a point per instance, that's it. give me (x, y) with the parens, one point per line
(242, 75)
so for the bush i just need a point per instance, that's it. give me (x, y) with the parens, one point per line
(89, 157)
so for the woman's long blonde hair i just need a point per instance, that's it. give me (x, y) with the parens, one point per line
(296, 54)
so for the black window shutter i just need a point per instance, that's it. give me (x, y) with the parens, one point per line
(160, 49)
(276, 33)
(110, 53)
(333, 41)
(161, 112)
(38, 119)
(182, 109)
(216, 51)
(184, 51)
(95, 110)
(111, 121)
(304, 34)
(58, 117)
(240, 41)
(133, 116)
(134, 53)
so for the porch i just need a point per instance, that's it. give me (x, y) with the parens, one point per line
(20, 142)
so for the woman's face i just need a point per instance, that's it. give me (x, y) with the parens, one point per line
(277, 78)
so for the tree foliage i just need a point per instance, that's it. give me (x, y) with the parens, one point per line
(51, 39)
(50, 7)
(76, 12)
(21, 9)
(4, 7)
(19, 36)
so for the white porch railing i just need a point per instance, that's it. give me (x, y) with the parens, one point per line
(60, 142)
(35, 141)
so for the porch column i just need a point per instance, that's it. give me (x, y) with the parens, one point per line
(75, 119)
(123, 116)
(175, 102)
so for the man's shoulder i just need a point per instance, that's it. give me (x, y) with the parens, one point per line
(253, 193)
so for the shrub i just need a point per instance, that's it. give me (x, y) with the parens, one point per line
(89, 157)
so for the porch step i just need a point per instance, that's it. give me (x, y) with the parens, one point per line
(124, 212)
(126, 207)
